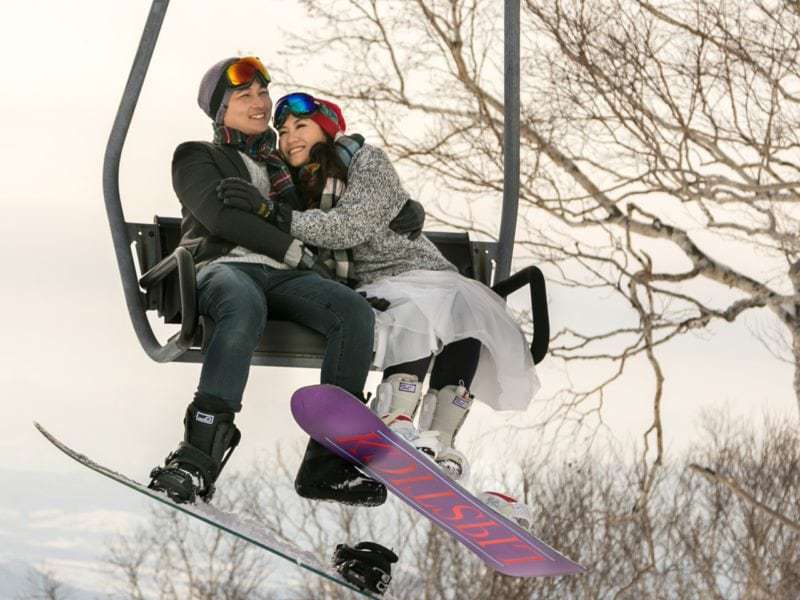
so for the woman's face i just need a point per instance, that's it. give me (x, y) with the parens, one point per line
(298, 136)
(249, 109)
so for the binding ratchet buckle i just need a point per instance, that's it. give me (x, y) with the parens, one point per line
(367, 565)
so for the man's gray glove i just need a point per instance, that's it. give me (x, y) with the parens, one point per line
(409, 220)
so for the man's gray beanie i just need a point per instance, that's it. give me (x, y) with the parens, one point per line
(207, 87)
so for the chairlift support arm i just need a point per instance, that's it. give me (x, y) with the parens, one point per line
(134, 298)
(511, 103)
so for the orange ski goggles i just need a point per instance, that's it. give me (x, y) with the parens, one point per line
(239, 73)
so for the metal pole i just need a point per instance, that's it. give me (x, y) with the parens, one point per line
(508, 221)
(116, 218)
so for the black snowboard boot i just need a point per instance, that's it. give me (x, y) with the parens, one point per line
(209, 440)
(325, 476)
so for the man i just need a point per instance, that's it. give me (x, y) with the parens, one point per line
(247, 269)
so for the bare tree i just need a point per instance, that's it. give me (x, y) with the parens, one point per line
(722, 522)
(659, 156)
(42, 584)
(175, 557)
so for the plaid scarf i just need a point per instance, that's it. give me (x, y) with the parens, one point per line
(282, 188)
(258, 147)
(261, 148)
(339, 261)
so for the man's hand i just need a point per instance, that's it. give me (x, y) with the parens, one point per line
(409, 220)
(243, 195)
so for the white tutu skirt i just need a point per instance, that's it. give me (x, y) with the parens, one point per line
(430, 309)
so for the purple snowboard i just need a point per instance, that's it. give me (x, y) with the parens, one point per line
(342, 423)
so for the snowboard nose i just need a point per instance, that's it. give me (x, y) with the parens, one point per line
(328, 411)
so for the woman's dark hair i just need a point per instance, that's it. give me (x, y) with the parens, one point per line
(310, 185)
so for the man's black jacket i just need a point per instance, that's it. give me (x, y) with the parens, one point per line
(209, 228)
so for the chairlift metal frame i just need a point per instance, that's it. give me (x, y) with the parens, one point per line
(124, 234)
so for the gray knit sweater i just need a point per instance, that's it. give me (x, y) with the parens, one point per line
(360, 221)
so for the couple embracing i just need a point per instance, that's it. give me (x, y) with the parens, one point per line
(306, 223)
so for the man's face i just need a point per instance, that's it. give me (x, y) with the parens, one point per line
(249, 109)
(298, 136)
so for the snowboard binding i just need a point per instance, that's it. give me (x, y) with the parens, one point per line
(191, 470)
(367, 565)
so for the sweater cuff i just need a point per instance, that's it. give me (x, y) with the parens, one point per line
(295, 226)
(293, 253)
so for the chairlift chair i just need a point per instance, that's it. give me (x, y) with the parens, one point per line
(168, 283)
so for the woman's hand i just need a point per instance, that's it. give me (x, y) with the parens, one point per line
(379, 304)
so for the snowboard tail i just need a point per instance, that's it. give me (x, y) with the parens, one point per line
(342, 423)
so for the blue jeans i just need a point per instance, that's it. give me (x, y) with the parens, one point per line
(238, 297)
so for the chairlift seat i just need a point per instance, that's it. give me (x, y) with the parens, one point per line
(283, 343)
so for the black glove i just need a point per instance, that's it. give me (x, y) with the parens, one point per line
(311, 262)
(243, 195)
(379, 304)
(409, 220)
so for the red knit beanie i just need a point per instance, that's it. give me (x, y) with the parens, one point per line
(329, 117)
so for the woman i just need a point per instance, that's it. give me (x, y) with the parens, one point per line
(433, 310)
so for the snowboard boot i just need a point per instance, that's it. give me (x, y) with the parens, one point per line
(209, 440)
(442, 414)
(396, 402)
(324, 475)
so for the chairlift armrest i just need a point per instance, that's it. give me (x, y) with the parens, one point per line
(162, 268)
(180, 259)
(541, 320)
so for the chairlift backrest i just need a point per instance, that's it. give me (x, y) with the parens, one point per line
(153, 242)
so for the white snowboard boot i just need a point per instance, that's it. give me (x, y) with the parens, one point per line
(441, 416)
(396, 402)
(519, 513)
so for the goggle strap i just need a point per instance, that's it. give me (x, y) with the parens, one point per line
(216, 98)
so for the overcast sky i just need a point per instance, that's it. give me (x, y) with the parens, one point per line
(70, 359)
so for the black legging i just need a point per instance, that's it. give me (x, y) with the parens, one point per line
(457, 362)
